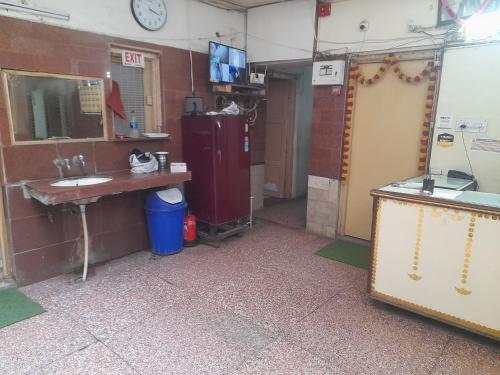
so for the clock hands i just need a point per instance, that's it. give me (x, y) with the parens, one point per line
(155, 12)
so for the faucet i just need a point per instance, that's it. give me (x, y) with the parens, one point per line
(79, 160)
(62, 164)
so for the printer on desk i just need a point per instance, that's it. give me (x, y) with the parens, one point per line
(464, 176)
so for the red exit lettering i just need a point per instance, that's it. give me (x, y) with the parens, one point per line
(132, 58)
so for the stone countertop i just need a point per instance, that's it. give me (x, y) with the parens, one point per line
(121, 182)
(469, 200)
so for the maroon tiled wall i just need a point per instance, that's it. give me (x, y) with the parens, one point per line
(326, 134)
(45, 241)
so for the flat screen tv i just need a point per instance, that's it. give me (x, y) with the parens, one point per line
(227, 64)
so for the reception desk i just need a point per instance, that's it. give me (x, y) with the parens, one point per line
(438, 255)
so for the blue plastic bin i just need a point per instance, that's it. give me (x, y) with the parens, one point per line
(165, 212)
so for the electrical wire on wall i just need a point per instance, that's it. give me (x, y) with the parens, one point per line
(462, 127)
(406, 42)
(252, 112)
(190, 52)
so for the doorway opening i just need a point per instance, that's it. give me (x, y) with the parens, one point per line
(288, 123)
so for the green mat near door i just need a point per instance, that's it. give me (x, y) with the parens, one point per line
(15, 306)
(347, 252)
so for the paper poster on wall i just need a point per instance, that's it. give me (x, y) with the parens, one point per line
(445, 140)
(486, 144)
(444, 122)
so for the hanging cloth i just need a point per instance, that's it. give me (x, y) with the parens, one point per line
(114, 101)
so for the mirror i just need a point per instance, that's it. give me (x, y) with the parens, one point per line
(54, 107)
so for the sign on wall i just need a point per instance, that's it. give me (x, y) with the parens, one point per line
(132, 58)
(445, 140)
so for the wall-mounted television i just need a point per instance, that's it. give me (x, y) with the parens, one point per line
(227, 64)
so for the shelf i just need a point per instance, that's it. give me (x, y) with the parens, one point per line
(239, 90)
(238, 94)
(141, 139)
(249, 86)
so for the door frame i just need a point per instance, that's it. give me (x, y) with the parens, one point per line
(289, 132)
(361, 59)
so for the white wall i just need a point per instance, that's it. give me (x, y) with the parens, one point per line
(257, 186)
(470, 87)
(281, 31)
(187, 19)
(286, 31)
(388, 19)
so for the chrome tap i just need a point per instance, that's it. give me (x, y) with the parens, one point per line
(61, 164)
(79, 160)
(65, 164)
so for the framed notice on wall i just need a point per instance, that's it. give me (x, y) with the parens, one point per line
(90, 97)
(464, 9)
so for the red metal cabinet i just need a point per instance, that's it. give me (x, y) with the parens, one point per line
(217, 152)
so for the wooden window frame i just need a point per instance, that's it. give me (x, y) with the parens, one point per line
(152, 84)
(6, 72)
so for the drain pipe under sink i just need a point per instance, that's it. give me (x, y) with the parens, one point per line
(85, 242)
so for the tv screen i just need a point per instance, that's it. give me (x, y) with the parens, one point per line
(227, 64)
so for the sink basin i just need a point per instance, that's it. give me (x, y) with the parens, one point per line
(83, 181)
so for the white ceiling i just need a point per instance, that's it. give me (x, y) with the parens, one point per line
(241, 5)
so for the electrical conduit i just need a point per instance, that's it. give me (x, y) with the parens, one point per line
(85, 242)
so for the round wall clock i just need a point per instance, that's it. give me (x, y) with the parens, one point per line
(150, 14)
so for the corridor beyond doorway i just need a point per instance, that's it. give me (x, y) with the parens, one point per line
(289, 212)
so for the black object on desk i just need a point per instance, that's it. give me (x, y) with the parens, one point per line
(463, 176)
(428, 186)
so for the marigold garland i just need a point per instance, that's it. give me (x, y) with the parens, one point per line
(390, 61)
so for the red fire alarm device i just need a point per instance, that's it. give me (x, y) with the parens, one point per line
(324, 9)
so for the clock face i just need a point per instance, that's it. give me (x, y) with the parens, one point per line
(150, 14)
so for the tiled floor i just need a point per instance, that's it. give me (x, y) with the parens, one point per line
(289, 212)
(260, 304)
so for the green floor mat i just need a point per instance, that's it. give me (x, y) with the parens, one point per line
(347, 252)
(15, 306)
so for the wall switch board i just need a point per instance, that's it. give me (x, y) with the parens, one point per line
(328, 72)
(471, 125)
(435, 171)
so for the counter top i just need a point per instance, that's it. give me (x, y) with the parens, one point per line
(445, 197)
(444, 182)
(121, 182)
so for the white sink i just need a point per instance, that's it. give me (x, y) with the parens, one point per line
(83, 181)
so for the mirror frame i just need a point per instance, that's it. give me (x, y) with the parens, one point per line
(9, 72)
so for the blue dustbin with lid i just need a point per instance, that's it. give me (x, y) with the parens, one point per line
(165, 212)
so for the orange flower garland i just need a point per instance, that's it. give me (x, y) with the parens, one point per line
(389, 61)
(426, 125)
(346, 144)
(429, 72)
(419, 77)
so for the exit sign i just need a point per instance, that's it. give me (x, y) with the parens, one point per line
(133, 58)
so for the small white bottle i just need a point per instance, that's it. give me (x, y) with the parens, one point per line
(134, 126)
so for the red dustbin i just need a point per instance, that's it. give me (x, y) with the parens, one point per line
(190, 230)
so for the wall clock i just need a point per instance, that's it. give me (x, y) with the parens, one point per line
(149, 14)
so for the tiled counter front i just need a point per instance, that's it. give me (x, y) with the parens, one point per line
(442, 261)
(44, 242)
